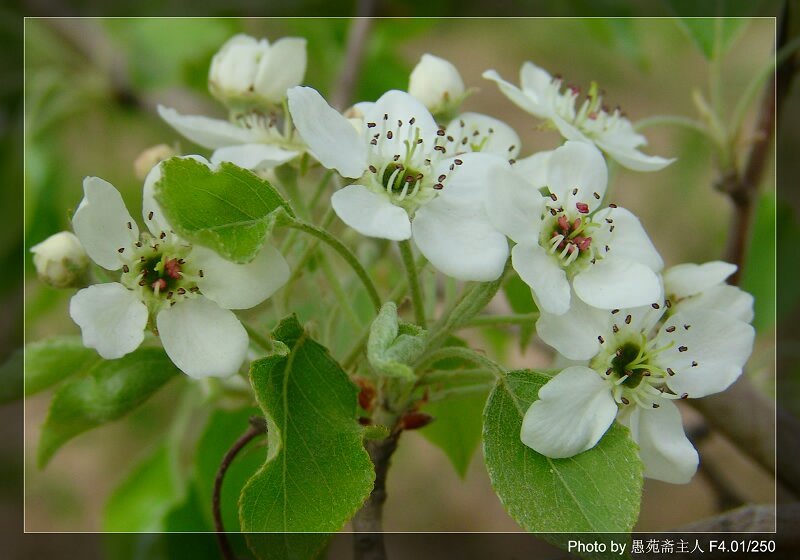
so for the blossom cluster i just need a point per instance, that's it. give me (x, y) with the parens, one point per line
(633, 337)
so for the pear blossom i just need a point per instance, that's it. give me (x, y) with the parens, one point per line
(566, 242)
(702, 286)
(437, 84)
(187, 290)
(635, 364)
(60, 260)
(247, 70)
(541, 95)
(412, 179)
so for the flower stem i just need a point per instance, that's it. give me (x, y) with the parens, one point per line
(345, 253)
(672, 120)
(417, 299)
(263, 342)
(463, 353)
(501, 320)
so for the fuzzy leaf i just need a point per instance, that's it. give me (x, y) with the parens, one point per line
(393, 344)
(229, 209)
(598, 490)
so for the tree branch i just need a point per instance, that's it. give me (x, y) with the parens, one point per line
(257, 427)
(356, 39)
(368, 522)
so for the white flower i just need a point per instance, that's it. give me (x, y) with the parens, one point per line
(437, 84)
(542, 96)
(150, 158)
(60, 260)
(246, 69)
(566, 239)
(702, 286)
(405, 168)
(256, 141)
(188, 290)
(636, 362)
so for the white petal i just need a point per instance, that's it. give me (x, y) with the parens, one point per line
(101, 223)
(435, 82)
(520, 98)
(469, 183)
(534, 79)
(574, 410)
(581, 166)
(632, 158)
(202, 339)
(394, 106)
(716, 343)
(514, 205)
(614, 283)
(253, 156)
(690, 279)
(534, 168)
(111, 318)
(574, 333)
(370, 213)
(330, 136)
(542, 273)
(665, 451)
(494, 136)
(240, 286)
(460, 241)
(629, 239)
(151, 212)
(282, 66)
(206, 132)
(730, 300)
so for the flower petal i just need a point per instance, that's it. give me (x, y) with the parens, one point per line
(574, 333)
(574, 410)
(666, 452)
(240, 286)
(535, 80)
(629, 239)
(614, 283)
(206, 132)
(253, 156)
(581, 166)
(202, 339)
(632, 158)
(520, 98)
(330, 136)
(717, 346)
(493, 136)
(541, 272)
(514, 206)
(534, 168)
(101, 223)
(459, 240)
(154, 218)
(111, 318)
(370, 213)
(398, 106)
(690, 279)
(730, 300)
(282, 66)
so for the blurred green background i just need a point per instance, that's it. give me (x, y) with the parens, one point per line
(91, 87)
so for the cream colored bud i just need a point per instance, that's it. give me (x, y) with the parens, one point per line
(437, 84)
(246, 70)
(149, 158)
(60, 261)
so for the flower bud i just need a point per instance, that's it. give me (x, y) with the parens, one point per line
(437, 84)
(149, 158)
(247, 71)
(60, 261)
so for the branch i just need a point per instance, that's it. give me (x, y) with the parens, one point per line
(356, 39)
(368, 522)
(257, 427)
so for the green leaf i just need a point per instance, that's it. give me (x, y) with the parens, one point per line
(110, 390)
(456, 428)
(393, 344)
(52, 360)
(758, 274)
(598, 490)
(519, 297)
(230, 209)
(142, 501)
(703, 32)
(317, 473)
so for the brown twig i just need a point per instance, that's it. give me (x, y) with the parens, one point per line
(356, 40)
(368, 522)
(257, 427)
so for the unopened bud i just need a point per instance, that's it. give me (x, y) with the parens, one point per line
(151, 157)
(61, 261)
(415, 420)
(437, 84)
(248, 71)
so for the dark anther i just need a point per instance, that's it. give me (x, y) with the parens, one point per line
(150, 216)
(670, 371)
(671, 328)
(600, 339)
(614, 311)
(389, 135)
(625, 401)
(121, 250)
(372, 168)
(596, 195)
(655, 306)
(682, 348)
(628, 320)
(125, 268)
